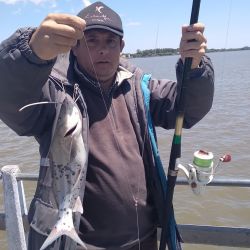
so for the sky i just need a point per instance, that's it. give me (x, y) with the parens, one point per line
(147, 24)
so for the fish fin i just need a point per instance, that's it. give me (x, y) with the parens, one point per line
(78, 206)
(55, 234)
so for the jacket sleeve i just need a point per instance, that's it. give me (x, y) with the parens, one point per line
(22, 82)
(199, 96)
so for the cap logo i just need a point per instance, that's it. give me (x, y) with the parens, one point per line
(98, 9)
(98, 15)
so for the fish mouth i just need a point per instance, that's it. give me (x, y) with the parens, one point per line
(71, 131)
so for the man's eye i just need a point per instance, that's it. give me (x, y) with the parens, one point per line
(91, 42)
(112, 43)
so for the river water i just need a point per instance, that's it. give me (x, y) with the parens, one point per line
(226, 129)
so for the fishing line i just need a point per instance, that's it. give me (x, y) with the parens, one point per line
(112, 125)
(228, 23)
(226, 39)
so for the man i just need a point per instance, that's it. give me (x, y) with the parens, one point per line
(122, 195)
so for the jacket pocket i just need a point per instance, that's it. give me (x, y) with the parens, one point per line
(44, 218)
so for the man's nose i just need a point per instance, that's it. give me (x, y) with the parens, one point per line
(103, 48)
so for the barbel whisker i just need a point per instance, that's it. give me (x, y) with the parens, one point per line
(37, 103)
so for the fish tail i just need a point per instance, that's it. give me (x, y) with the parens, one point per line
(55, 234)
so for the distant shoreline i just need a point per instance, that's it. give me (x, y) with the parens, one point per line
(170, 52)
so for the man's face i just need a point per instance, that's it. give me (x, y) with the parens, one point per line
(98, 54)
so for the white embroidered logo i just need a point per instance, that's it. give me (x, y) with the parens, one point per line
(98, 9)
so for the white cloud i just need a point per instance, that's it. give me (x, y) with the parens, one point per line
(8, 1)
(86, 3)
(37, 2)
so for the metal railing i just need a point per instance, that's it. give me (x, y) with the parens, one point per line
(15, 222)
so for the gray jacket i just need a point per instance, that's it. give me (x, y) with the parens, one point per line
(27, 79)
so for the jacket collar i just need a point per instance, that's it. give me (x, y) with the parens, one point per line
(66, 69)
(121, 75)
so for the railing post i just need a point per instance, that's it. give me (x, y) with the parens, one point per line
(14, 222)
(2, 221)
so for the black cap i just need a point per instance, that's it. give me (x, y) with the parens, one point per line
(100, 16)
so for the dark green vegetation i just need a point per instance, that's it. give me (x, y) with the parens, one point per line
(169, 51)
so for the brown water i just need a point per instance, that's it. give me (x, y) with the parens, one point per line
(226, 129)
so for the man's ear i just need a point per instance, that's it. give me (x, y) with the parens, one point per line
(122, 44)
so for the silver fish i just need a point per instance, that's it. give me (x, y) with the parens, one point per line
(68, 162)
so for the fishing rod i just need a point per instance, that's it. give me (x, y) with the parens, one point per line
(175, 153)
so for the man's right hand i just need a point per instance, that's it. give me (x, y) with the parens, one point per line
(57, 34)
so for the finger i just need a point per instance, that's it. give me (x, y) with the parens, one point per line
(197, 35)
(193, 53)
(193, 27)
(63, 41)
(70, 20)
(192, 46)
(193, 50)
(51, 27)
(197, 27)
(67, 31)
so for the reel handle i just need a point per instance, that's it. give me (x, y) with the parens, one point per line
(226, 158)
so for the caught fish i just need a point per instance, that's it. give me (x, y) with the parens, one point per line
(68, 162)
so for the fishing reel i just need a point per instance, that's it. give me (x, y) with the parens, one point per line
(201, 172)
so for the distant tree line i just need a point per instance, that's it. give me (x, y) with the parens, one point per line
(170, 51)
(156, 52)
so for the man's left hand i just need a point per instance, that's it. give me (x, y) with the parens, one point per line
(193, 43)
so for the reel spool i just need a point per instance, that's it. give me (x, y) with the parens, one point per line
(203, 163)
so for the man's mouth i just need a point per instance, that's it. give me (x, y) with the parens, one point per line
(102, 62)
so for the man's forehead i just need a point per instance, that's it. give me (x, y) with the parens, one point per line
(100, 32)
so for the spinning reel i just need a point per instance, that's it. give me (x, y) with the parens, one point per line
(201, 172)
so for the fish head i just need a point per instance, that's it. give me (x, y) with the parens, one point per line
(68, 128)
